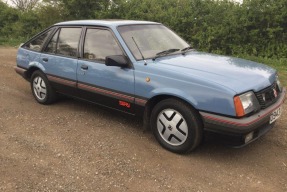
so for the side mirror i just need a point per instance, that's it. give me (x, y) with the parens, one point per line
(116, 60)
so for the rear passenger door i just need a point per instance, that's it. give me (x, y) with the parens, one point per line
(106, 85)
(60, 59)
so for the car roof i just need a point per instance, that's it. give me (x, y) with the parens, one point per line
(108, 23)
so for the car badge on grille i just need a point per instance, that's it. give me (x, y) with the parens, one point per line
(275, 93)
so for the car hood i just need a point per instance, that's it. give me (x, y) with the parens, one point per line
(237, 74)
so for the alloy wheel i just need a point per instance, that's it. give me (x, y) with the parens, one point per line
(172, 127)
(39, 88)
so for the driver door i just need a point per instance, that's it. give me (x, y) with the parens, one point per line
(110, 86)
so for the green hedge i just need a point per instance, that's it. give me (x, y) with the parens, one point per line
(255, 27)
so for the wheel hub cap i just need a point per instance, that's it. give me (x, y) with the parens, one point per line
(39, 87)
(172, 127)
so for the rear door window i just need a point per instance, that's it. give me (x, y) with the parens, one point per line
(65, 42)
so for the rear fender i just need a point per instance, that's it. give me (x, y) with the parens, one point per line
(38, 65)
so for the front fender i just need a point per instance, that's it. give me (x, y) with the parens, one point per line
(202, 94)
(175, 93)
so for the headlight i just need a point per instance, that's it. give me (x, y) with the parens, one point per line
(278, 83)
(245, 103)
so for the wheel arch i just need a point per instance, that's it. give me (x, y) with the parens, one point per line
(151, 103)
(30, 71)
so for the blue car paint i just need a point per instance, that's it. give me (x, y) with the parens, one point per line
(28, 59)
(200, 94)
(237, 74)
(65, 67)
(110, 77)
(206, 81)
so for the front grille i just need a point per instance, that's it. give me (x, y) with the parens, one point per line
(268, 96)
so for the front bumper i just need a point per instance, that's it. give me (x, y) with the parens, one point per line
(235, 130)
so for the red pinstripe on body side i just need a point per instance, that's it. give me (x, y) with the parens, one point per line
(95, 89)
(140, 101)
(62, 81)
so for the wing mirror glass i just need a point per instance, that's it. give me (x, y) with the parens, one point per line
(116, 60)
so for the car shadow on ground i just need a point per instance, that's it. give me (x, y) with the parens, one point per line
(212, 146)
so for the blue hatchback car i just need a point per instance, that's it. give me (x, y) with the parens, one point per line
(143, 68)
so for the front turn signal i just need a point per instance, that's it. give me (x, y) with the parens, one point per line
(238, 107)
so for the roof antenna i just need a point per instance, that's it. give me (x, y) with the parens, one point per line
(145, 63)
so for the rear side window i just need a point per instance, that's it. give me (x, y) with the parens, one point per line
(65, 42)
(68, 41)
(37, 43)
(100, 43)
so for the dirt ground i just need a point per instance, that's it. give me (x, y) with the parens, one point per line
(75, 146)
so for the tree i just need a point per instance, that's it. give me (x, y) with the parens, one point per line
(25, 5)
(8, 16)
(83, 9)
(49, 13)
(253, 27)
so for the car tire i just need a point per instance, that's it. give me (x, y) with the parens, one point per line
(176, 126)
(41, 88)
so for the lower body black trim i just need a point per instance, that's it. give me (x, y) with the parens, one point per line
(238, 140)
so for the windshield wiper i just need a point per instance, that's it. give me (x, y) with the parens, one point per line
(166, 52)
(184, 50)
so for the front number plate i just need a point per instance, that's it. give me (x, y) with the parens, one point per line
(275, 115)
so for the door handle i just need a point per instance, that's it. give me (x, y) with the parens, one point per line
(84, 67)
(45, 59)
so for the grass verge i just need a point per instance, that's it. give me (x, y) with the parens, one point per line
(11, 42)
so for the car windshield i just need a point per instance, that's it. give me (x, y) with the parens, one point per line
(152, 40)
